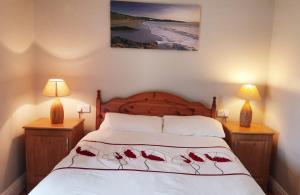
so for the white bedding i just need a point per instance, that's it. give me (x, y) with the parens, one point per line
(132, 163)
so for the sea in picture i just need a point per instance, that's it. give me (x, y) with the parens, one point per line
(155, 26)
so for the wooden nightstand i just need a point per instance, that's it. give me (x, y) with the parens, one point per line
(47, 145)
(253, 147)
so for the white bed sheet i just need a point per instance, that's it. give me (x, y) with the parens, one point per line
(75, 175)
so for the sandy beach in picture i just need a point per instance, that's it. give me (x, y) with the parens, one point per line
(155, 26)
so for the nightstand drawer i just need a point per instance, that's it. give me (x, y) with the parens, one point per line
(45, 151)
(253, 152)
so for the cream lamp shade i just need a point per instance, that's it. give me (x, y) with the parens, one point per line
(56, 88)
(248, 92)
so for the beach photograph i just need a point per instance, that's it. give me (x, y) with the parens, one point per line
(155, 26)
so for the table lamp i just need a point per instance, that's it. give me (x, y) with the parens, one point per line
(56, 88)
(248, 92)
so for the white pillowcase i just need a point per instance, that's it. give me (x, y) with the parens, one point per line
(193, 126)
(127, 122)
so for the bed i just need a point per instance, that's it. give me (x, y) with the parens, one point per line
(149, 162)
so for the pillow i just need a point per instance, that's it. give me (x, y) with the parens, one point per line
(193, 126)
(127, 122)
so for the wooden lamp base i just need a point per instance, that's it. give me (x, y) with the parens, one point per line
(246, 115)
(57, 112)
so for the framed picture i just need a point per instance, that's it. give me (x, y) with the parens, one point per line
(155, 26)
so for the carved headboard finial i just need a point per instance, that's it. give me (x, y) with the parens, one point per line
(98, 109)
(214, 108)
(98, 94)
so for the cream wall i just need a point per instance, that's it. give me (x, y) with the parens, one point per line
(73, 42)
(283, 104)
(16, 85)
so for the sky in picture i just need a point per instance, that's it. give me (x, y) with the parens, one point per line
(187, 13)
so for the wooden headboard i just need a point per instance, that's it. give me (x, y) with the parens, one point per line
(153, 104)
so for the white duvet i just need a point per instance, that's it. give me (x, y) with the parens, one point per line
(130, 163)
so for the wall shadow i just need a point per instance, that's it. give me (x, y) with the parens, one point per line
(17, 109)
